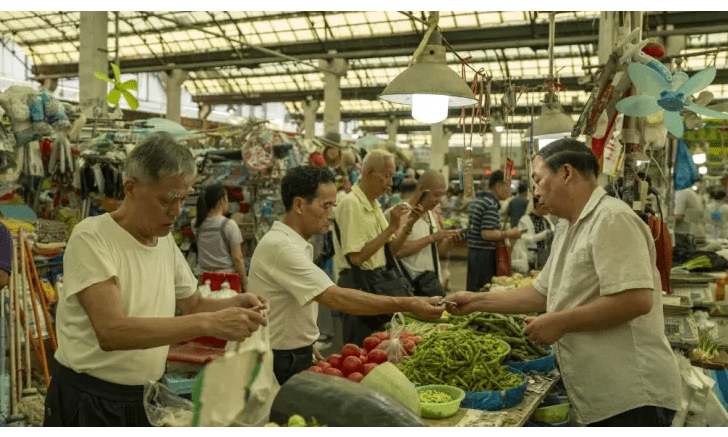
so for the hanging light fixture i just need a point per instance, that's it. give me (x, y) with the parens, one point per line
(553, 122)
(428, 84)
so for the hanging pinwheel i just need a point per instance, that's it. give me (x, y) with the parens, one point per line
(120, 88)
(658, 94)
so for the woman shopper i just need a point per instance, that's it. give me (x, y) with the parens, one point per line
(218, 237)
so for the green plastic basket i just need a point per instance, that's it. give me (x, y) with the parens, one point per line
(441, 411)
(552, 414)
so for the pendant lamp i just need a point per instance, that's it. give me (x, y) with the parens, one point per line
(428, 84)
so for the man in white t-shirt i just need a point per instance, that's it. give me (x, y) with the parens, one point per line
(420, 253)
(282, 270)
(689, 218)
(123, 278)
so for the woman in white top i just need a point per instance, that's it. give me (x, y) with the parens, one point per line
(531, 251)
(218, 238)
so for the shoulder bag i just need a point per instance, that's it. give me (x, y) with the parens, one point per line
(427, 283)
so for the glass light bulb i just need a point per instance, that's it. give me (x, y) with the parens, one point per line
(699, 158)
(429, 108)
(703, 170)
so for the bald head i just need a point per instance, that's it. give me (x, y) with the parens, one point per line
(432, 180)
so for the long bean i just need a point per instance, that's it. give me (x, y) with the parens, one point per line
(462, 358)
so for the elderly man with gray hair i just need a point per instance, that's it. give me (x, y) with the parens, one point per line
(124, 277)
(363, 234)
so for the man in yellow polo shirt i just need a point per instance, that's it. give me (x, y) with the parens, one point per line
(365, 231)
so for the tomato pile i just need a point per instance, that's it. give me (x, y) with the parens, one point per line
(355, 363)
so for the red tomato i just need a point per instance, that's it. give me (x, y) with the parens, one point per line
(334, 360)
(371, 343)
(323, 365)
(356, 376)
(350, 350)
(316, 369)
(416, 339)
(377, 356)
(363, 359)
(408, 345)
(333, 371)
(381, 335)
(366, 368)
(350, 365)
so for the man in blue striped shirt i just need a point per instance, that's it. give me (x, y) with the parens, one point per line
(484, 231)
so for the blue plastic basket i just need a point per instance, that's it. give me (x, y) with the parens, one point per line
(543, 364)
(496, 400)
(179, 383)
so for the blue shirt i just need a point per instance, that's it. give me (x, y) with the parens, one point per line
(516, 209)
(483, 214)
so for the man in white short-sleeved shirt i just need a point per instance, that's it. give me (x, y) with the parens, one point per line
(600, 290)
(124, 277)
(282, 270)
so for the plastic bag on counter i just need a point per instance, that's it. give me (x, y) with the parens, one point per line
(239, 388)
(164, 407)
(394, 347)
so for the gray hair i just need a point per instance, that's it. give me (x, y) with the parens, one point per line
(375, 159)
(159, 155)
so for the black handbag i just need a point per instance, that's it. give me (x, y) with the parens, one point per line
(385, 281)
(427, 283)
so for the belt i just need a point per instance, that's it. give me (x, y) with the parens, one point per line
(295, 351)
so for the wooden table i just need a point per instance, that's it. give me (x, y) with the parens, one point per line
(539, 385)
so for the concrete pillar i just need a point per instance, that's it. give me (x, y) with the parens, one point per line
(332, 92)
(93, 57)
(392, 126)
(309, 118)
(173, 87)
(204, 110)
(606, 36)
(439, 146)
(495, 151)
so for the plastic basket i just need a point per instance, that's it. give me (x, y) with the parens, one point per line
(180, 383)
(443, 410)
(552, 414)
(543, 364)
(496, 400)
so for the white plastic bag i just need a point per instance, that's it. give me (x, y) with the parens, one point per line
(164, 407)
(239, 388)
(393, 347)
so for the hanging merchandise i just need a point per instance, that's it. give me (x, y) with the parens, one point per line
(119, 88)
(686, 174)
(659, 94)
(614, 152)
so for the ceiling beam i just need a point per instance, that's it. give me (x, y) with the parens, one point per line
(426, 127)
(455, 112)
(372, 92)
(495, 37)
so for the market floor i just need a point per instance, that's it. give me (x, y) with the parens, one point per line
(332, 324)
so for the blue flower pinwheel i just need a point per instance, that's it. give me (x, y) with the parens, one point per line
(658, 94)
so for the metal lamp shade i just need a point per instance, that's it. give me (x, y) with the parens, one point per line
(429, 75)
(553, 122)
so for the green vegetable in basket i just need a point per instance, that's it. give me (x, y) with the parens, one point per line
(434, 397)
(461, 358)
(296, 420)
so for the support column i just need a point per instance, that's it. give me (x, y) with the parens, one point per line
(332, 93)
(439, 146)
(392, 126)
(173, 87)
(93, 57)
(495, 151)
(309, 118)
(203, 111)
(50, 85)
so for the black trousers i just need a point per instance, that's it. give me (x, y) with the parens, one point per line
(287, 363)
(357, 328)
(642, 416)
(481, 268)
(78, 399)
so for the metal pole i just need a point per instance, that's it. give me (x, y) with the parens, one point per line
(552, 39)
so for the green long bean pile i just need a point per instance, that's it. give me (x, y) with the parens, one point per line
(507, 328)
(461, 358)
